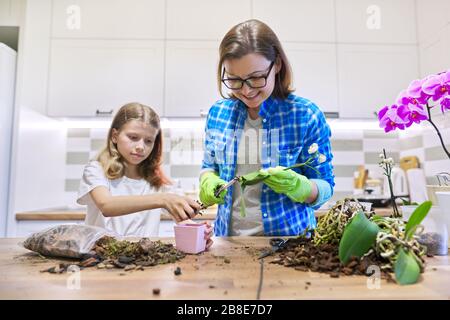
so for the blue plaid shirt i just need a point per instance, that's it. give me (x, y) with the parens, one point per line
(290, 127)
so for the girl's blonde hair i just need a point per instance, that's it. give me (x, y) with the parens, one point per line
(112, 161)
(254, 36)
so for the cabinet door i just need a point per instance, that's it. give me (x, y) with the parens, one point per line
(432, 16)
(435, 53)
(314, 68)
(371, 76)
(204, 19)
(106, 19)
(298, 20)
(87, 75)
(376, 21)
(191, 86)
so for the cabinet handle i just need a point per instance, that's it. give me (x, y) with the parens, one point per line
(100, 113)
(203, 113)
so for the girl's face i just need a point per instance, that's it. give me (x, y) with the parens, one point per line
(135, 141)
(253, 66)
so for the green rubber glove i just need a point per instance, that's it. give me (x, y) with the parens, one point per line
(296, 186)
(209, 181)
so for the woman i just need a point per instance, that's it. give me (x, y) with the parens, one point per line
(255, 69)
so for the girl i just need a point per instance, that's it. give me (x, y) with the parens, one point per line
(120, 187)
(255, 69)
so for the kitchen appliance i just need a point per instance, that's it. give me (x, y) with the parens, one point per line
(7, 84)
(409, 162)
(399, 183)
(417, 185)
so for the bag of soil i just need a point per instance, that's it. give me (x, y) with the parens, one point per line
(68, 241)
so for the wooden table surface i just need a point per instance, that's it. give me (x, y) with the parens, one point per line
(204, 276)
(209, 214)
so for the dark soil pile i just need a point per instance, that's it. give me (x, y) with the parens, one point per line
(301, 253)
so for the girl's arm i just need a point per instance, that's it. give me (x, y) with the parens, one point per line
(181, 208)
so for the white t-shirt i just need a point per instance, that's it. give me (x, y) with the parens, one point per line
(248, 160)
(139, 224)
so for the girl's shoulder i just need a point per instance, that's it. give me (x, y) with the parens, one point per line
(94, 168)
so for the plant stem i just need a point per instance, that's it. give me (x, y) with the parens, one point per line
(388, 171)
(437, 131)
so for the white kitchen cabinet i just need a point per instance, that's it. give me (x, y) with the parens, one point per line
(314, 69)
(432, 17)
(204, 19)
(108, 19)
(435, 53)
(371, 76)
(191, 85)
(298, 20)
(88, 77)
(12, 12)
(376, 21)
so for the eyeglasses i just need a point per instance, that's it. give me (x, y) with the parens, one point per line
(252, 82)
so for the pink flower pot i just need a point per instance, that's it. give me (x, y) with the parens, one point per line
(190, 238)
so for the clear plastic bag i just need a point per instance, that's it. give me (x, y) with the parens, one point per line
(68, 241)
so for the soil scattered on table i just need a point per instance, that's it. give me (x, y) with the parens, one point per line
(303, 255)
(109, 253)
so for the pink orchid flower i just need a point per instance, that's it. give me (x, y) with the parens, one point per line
(437, 85)
(416, 113)
(393, 117)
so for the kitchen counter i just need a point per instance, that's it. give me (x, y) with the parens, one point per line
(77, 214)
(204, 276)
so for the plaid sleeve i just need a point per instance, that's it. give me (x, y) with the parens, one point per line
(209, 163)
(318, 131)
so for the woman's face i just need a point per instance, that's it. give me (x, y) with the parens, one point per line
(135, 141)
(251, 65)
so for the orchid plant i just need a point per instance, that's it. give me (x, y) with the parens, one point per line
(414, 104)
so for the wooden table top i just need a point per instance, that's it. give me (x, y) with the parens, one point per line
(204, 276)
(209, 214)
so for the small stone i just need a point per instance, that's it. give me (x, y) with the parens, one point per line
(118, 264)
(226, 260)
(334, 275)
(90, 262)
(177, 271)
(211, 286)
(126, 260)
(101, 266)
(130, 267)
(156, 291)
(109, 266)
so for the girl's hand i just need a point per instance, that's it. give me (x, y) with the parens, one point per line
(208, 234)
(180, 207)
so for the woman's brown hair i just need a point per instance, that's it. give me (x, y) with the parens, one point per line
(254, 36)
(150, 168)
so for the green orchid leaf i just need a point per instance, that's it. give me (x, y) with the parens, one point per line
(242, 209)
(407, 270)
(253, 178)
(416, 218)
(359, 235)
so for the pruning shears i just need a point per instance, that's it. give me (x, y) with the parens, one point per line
(226, 186)
(277, 244)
